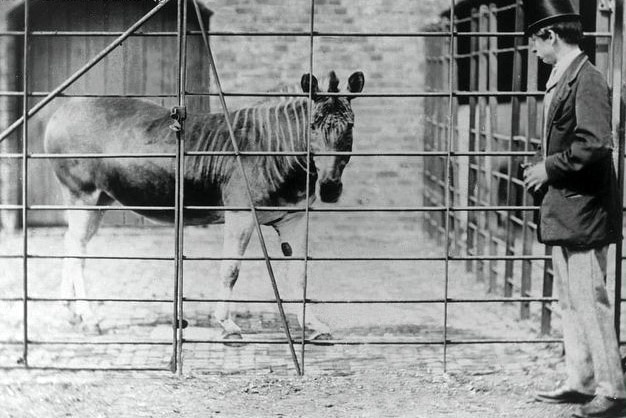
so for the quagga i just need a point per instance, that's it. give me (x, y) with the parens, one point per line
(115, 125)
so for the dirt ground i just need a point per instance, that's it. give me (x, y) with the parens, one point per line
(259, 380)
(369, 393)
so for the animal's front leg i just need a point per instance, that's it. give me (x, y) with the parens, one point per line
(237, 230)
(292, 235)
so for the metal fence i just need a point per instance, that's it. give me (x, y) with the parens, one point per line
(486, 129)
(442, 202)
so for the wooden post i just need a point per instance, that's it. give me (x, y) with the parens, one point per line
(455, 194)
(9, 167)
(492, 216)
(482, 163)
(429, 131)
(472, 196)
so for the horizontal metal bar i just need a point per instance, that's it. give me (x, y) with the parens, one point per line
(283, 258)
(378, 301)
(355, 209)
(364, 341)
(94, 95)
(293, 301)
(103, 155)
(88, 369)
(86, 207)
(444, 94)
(82, 342)
(416, 34)
(88, 257)
(59, 299)
(280, 153)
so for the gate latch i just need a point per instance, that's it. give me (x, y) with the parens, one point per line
(178, 114)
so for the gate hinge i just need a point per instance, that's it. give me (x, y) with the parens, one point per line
(606, 5)
(178, 114)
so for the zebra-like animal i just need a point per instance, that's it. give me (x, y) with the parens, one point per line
(114, 125)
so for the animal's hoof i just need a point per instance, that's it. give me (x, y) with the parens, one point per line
(321, 338)
(232, 339)
(92, 328)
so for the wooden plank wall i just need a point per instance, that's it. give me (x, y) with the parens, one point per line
(141, 65)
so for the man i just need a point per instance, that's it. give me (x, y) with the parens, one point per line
(575, 183)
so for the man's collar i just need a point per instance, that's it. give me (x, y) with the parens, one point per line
(561, 66)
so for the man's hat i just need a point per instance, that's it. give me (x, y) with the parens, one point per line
(541, 13)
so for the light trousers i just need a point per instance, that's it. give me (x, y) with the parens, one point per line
(592, 354)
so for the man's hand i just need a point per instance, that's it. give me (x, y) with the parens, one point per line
(535, 176)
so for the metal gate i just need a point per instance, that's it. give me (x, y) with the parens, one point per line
(441, 203)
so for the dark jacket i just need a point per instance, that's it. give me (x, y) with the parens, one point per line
(580, 208)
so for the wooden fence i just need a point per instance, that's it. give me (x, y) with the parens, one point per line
(481, 132)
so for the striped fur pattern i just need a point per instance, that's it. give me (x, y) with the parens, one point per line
(278, 125)
(267, 127)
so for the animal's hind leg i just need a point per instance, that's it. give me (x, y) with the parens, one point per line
(82, 225)
(292, 233)
(237, 230)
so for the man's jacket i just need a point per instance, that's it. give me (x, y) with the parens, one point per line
(580, 208)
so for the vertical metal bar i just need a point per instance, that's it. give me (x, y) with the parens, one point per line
(527, 236)
(618, 103)
(177, 322)
(547, 291)
(253, 209)
(451, 49)
(511, 192)
(25, 78)
(308, 183)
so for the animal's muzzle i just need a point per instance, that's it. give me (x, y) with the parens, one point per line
(330, 191)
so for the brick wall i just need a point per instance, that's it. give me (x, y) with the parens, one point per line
(389, 64)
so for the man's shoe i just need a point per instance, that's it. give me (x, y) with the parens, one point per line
(563, 395)
(602, 407)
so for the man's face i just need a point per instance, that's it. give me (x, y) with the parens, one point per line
(544, 48)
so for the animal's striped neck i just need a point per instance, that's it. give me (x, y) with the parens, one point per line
(280, 127)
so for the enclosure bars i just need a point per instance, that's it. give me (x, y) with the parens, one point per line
(526, 223)
(436, 209)
(23, 121)
(447, 179)
(178, 115)
(619, 115)
(252, 207)
(307, 185)
(25, 77)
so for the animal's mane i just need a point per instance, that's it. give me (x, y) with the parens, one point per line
(256, 130)
(269, 126)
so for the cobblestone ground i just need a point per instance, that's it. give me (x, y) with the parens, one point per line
(259, 379)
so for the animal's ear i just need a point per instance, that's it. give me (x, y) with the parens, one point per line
(356, 82)
(312, 87)
(333, 83)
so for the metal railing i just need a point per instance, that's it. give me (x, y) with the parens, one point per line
(442, 190)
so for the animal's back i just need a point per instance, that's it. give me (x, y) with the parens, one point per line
(121, 126)
(100, 124)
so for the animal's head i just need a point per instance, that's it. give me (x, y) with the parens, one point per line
(331, 129)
